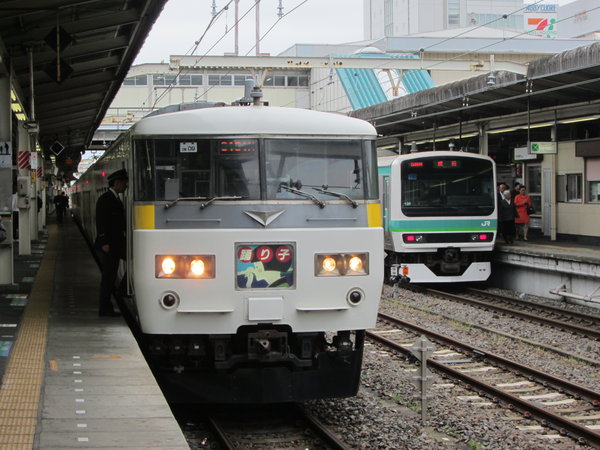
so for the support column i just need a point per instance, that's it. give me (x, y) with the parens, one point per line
(483, 140)
(24, 194)
(6, 182)
(41, 189)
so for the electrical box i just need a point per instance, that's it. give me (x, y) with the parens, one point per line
(23, 184)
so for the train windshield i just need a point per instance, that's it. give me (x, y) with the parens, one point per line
(253, 169)
(320, 168)
(447, 186)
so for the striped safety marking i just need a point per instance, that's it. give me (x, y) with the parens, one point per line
(21, 386)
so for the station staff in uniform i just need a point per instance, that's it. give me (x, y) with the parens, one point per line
(110, 226)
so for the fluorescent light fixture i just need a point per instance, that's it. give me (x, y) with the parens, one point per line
(579, 119)
(540, 125)
(502, 130)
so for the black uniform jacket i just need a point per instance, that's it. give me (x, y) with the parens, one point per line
(507, 212)
(110, 223)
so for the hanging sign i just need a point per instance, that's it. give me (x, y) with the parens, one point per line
(522, 154)
(34, 160)
(5, 154)
(539, 148)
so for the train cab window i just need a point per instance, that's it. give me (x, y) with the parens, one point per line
(313, 165)
(237, 171)
(447, 187)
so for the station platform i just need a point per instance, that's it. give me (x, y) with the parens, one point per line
(72, 379)
(563, 269)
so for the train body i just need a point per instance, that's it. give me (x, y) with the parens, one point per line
(255, 248)
(439, 216)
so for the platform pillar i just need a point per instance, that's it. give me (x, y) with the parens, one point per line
(6, 182)
(24, 198)
(483, 141)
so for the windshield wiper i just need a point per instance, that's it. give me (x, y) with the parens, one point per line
(337, 194)
(303, 194)
(171, 203)
(214, 199)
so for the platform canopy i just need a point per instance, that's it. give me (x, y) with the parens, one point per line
(81, 50)
(552, 83)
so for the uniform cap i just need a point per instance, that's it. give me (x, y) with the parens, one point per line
(118, 175)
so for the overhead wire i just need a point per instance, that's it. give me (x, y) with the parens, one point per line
(503, 17)
(483, 47)
(261, 38)
(197, 43)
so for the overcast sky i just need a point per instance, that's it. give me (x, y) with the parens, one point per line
(183, 22)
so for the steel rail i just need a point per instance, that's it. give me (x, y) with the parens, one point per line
(562, 424)
(220, 434)
(321, 430)
(573, 389)
(589, 332)
(574, 314)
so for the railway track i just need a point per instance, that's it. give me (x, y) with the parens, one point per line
(570, 409)
(290, 427)
(582, 324)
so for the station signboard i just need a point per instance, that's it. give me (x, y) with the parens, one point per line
(522, 154)
(540, 148)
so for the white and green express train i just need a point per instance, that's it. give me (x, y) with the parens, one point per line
(255, 248)
(439, 216)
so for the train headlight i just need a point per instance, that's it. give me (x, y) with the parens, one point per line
(197, 267)
(184, 266)
(168, 265)
(329, 264)
(355, 264)
(341, 264)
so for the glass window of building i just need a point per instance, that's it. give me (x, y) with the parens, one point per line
(574, 187)
(225, 80)
(279, 80)
(292, 80)
(592, 174)
(269, 81)
(184, 80)
(158, 80)
(303, 80)
(453, 13)
(213, 80)
(196, 80)
(240, 80)
(138, 80)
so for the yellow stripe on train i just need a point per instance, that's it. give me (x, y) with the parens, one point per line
(143, 217)
(374, 214)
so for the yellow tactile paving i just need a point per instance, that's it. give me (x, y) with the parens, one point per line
(21, 385)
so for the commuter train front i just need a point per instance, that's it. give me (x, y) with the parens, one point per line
(439, 216)
(256, 249)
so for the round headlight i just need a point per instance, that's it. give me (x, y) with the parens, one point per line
(197, 267)
(168, 265)
(355, 263)
(329, 264)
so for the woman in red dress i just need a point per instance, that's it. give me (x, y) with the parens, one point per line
(522, 203)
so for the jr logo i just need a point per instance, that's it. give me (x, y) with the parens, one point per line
(486, 223)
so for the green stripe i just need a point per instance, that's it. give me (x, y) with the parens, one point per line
(445, 224)
(384, 170)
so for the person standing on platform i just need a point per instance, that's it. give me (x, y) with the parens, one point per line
(507, 214)
(110, 226)
(500, 193)
(61, 202)
(523, 205)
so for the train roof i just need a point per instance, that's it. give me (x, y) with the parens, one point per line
(253, 120)
(386, 161)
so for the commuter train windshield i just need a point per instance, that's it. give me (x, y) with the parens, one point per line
(255, 169)
(447, 186)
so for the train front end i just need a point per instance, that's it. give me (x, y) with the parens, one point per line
(440, 217)
(257, 252)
